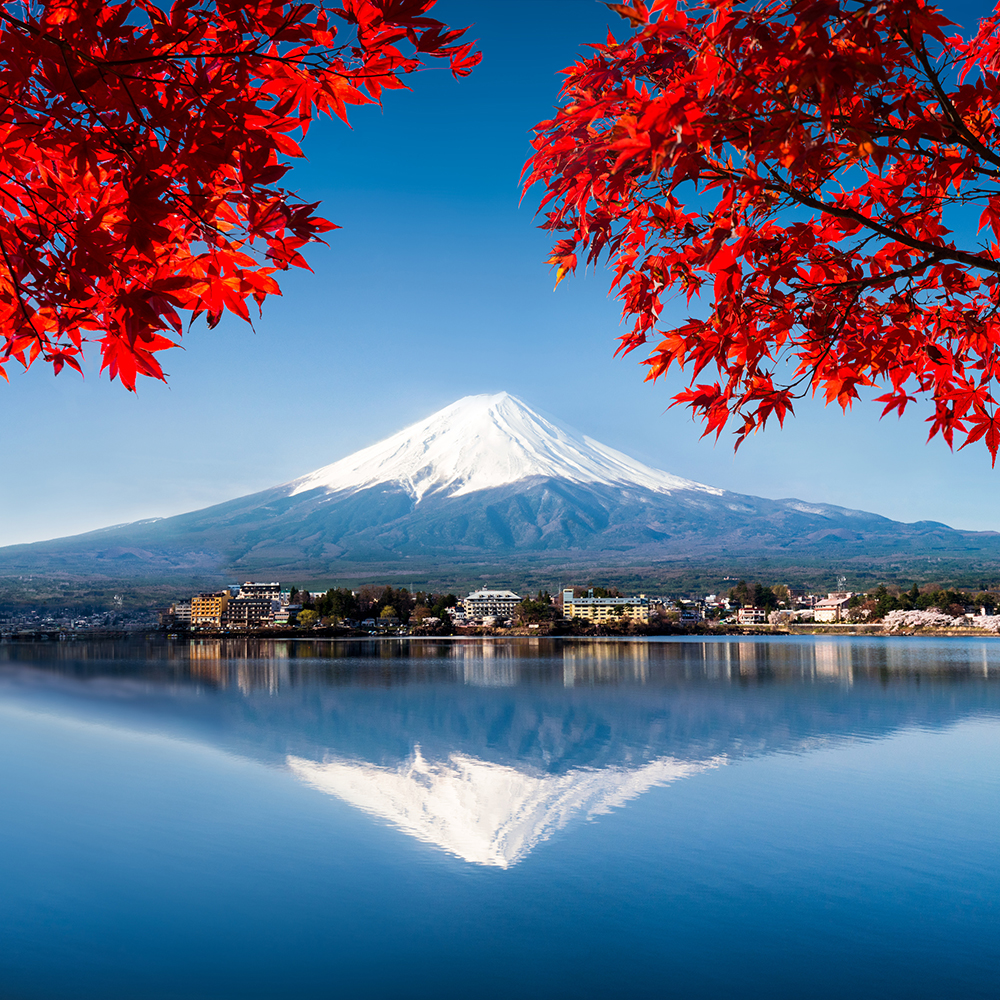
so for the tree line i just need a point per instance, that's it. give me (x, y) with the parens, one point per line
(880, 601)
(372, 602)
(756, 595)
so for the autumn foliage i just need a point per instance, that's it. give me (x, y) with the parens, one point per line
(142, 150)
(819, 180)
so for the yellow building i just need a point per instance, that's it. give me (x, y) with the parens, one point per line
(606, 609)
(206, 609)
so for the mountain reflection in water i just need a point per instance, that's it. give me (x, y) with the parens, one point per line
(484, 813)
(487, 748)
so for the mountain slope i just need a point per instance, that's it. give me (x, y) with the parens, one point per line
(489, 482)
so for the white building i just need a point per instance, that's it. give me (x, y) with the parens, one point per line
(259, 591)
(181, 611)
(832, 609)
(499, 603)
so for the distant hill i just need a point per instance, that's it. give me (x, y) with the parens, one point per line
(489, 487)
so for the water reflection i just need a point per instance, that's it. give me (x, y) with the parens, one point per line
(606, 662)
(486, 748)
(484, 813)
(504, 661)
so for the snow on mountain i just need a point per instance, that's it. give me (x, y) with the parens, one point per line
(488, 480)
(485, 813)
(481, 442)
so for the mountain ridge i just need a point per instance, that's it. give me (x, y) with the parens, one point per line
(490, 485)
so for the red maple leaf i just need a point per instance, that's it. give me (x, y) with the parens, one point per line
(802, 169)
(141, 150)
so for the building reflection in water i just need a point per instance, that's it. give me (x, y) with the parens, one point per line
(225, 661)
(485, 663)
(601, 660)
(834, 660)
(743, 661)
(268, 664)
(255, 664)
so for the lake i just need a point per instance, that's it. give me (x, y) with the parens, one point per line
(781, 818)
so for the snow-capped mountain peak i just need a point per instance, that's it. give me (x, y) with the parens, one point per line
(482, 442)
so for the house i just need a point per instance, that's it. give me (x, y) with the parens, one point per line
(751, 616)
(605, 609)
(832, 608)
(690, 612)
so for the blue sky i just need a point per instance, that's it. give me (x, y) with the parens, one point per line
(436, 287)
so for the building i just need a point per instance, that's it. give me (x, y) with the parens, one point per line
(254, 606)
(498, 603)
(605, 609)
(207, 609)
(832, 609)
(251, 590)
(178, 615)
(751, 616)
(286, 614)
(248, 612)
(691, 612)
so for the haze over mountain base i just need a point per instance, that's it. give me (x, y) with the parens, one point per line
(489, 489)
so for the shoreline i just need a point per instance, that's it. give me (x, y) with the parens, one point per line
(333, 635)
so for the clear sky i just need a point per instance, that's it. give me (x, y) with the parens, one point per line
(435, 288)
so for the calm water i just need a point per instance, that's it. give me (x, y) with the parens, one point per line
(781, 819)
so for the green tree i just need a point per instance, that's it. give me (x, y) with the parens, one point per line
(759, 596)
(307, 618)
(986, 600)
(441, 604)
(534, 612)
(340, 602)
(740, 594)
(884, 602)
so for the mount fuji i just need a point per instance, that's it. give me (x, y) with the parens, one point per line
(485, 443)
(489, 484)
